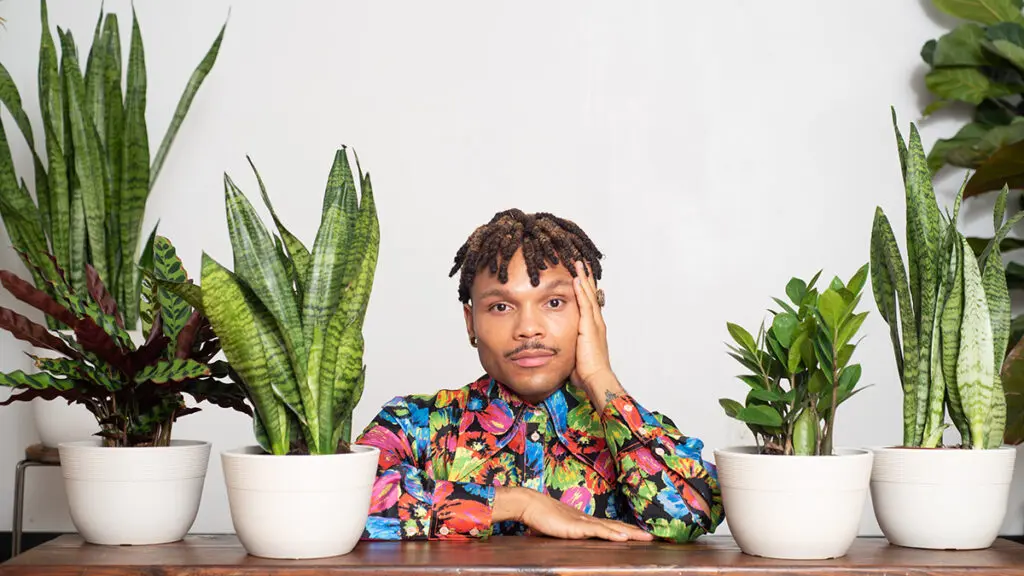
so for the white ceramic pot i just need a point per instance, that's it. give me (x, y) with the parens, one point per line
(941, 498)
(299, 506)
(147, 495)
(794, 507)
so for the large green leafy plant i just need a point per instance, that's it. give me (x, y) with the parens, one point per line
(135, 392)
(92, 190)
(290, 319)
(949, 323)
(800, 371)
(981, 63)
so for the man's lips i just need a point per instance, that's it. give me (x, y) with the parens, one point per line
(532, 358)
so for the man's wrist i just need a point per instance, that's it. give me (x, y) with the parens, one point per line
(509, 503)
(603, 388)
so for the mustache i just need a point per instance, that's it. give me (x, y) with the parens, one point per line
(531, 345)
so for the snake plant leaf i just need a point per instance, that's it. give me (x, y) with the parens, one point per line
(364, 251)
(135, 170)
(343, 430)
(11, 99)
(923, 238)
(95, 77)
(51, 101)
(118, 255)
(341, 364)
(175, 370)
(887, 262)
(184, 103)
(901, 146)
(257, 264)
(997, 296)
(88, 161)
(296, 251)
(233, 319)
(18, 211)
(951, 316)
(24, 329)
(77, 236)
(974, 363)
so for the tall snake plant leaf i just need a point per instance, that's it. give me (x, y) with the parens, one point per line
(951, 315)
(323, 291)
(296, 251)
(974, 364)
(134, 186)
(233, 319)
(258, 264)
(118, 255)
(889, 275)
(18, 210)
(95, 77)
(11, 99)
(923, 238)
(184, 103)
(88, 162)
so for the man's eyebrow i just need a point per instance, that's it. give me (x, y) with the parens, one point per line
(547, 287)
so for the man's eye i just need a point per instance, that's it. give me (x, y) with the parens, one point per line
(499, 307)
(556, 302)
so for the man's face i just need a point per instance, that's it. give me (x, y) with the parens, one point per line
(527, 335)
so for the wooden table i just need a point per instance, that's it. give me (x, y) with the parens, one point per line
(222, 555)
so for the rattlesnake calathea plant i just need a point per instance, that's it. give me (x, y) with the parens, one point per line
(949, 323)
(800, 370)
(290, 319)
(135, 392)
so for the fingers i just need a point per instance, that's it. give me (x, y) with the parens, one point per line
(616, 531)
(589, 287)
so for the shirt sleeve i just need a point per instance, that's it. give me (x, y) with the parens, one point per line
(670, 488)
(407, 502)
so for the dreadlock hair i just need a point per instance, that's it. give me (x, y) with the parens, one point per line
(544, 238)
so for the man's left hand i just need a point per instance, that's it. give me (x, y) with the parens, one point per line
(593, 371)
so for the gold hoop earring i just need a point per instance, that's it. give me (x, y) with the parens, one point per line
(473, 341)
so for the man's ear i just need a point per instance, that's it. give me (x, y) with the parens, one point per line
(467, 311)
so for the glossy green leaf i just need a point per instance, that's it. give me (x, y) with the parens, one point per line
(983, 11)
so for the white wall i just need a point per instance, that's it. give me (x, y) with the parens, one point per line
(712, 150)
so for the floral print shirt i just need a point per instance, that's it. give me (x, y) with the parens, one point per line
(441, 457)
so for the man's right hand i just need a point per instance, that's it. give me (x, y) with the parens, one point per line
(549, 517)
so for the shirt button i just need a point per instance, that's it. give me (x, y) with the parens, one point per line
(535, 436)
(474, 532)
(443, 531)
(659, 451)
(627, 408)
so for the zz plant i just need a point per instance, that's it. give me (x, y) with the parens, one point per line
(290, 319)
(135, 392)
(800, 370)
(97, 175)
(950, 323)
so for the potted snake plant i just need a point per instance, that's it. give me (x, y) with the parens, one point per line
(799, 374)
(133, 483)
(949, 326)
(92, 179)
(290, 322)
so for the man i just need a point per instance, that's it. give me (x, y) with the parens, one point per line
(547, 442)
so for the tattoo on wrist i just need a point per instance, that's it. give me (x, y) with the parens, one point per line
(609, 396)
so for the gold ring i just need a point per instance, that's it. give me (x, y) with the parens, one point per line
(600, 297)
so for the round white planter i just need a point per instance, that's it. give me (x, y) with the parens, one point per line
(299, 506)
(793, 507)
(147, 495)
(941, 498)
